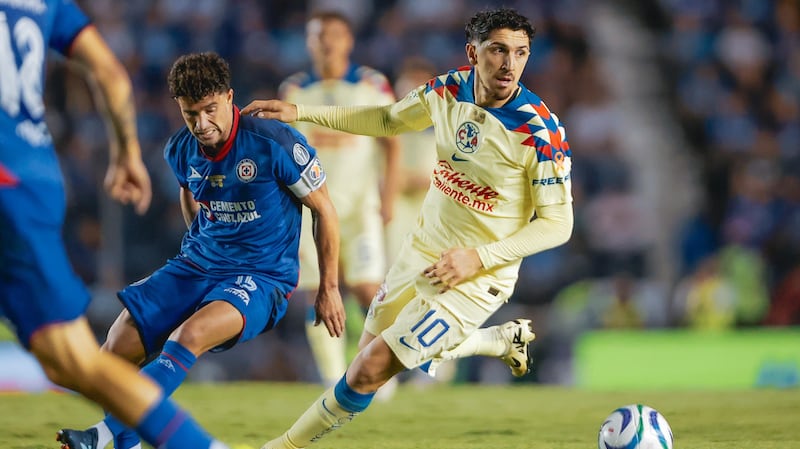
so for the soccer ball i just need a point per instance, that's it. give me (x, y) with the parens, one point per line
(635, 426)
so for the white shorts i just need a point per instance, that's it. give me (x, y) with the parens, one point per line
(362, 256)
(415, 320)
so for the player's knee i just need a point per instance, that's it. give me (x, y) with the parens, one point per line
(193, 338)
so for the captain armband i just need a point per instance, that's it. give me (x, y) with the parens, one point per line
(312, 177)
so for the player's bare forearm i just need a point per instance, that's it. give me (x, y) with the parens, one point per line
(111, 89)
(126, 180)
(328, 306)
(189, 207)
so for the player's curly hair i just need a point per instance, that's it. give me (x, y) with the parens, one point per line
(484, 22)
(197, 75)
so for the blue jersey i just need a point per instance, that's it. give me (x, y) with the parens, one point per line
(38, 285)
(250, 212)
(27, 30)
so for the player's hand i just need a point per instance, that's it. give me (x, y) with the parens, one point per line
(128, 182)
(272, 109)
(329, 310)
(453, 267)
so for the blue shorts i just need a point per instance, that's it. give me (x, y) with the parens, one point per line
(164, 300)
(37, 284)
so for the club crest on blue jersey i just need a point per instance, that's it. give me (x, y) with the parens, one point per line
(468, 137)
(246, 170)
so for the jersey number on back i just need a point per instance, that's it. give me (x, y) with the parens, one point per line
(21, 85)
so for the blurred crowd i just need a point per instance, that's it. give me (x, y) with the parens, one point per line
(734, 69)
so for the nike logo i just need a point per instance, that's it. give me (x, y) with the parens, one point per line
(458, 159)
(403, 342)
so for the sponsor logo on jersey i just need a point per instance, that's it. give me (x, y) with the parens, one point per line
(194, 174)
(551, 181)
(246, 170)
(463, 190)
(468, 138)
(300, 154)
(230, 211)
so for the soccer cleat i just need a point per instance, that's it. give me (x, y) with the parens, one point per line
(518, 334)
(77, 439)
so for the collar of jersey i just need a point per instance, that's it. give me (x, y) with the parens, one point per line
(228, 143)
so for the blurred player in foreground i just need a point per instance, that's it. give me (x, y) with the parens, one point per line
(243, 183)
(500, 191)
(39, 292)
(362, 203)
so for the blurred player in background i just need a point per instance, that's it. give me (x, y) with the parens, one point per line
(417, 160)
(243, 182)
(501, 190)
(39, 292)
(363, 198)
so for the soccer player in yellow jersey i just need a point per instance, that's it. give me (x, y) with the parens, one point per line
(500, 191)
(363, 199)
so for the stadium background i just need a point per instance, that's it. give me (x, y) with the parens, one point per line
(683, 116)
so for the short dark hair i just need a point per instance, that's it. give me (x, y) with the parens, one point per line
(483, 23)
(197, 75)
(327, 15)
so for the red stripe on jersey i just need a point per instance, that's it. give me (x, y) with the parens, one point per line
(7, 179)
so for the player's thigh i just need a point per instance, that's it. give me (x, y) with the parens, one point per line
(363, 254)
(159, 303)
(38, 286)
(213, 324)
(123, 339)
(259, 302)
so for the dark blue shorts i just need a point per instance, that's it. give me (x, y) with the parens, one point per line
(164, 300)
(37, 284)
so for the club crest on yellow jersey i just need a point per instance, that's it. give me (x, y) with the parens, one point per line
(468, 139)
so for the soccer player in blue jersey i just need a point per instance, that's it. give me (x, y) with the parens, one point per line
(500, 191)
(243, 183)
(40, 294)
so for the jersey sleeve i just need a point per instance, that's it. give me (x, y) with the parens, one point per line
(175, 163)
(296, 163)
(551, 168)
(68, 23)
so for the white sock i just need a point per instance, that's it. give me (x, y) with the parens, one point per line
(104, 435)
(329, 353)
(484, 341)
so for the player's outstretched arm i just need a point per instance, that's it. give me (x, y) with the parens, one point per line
(127, 180)
(328, 305)
(272, 109)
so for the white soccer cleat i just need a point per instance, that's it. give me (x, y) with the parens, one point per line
(517, 334)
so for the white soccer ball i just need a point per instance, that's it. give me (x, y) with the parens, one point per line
(635, 426)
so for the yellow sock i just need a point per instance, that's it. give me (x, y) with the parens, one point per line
(323, 417)
(328, 352)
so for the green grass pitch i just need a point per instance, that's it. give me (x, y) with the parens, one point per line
(520, 416)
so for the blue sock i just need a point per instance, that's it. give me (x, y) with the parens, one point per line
(169, 370)
(168, 427)
(349, 399)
